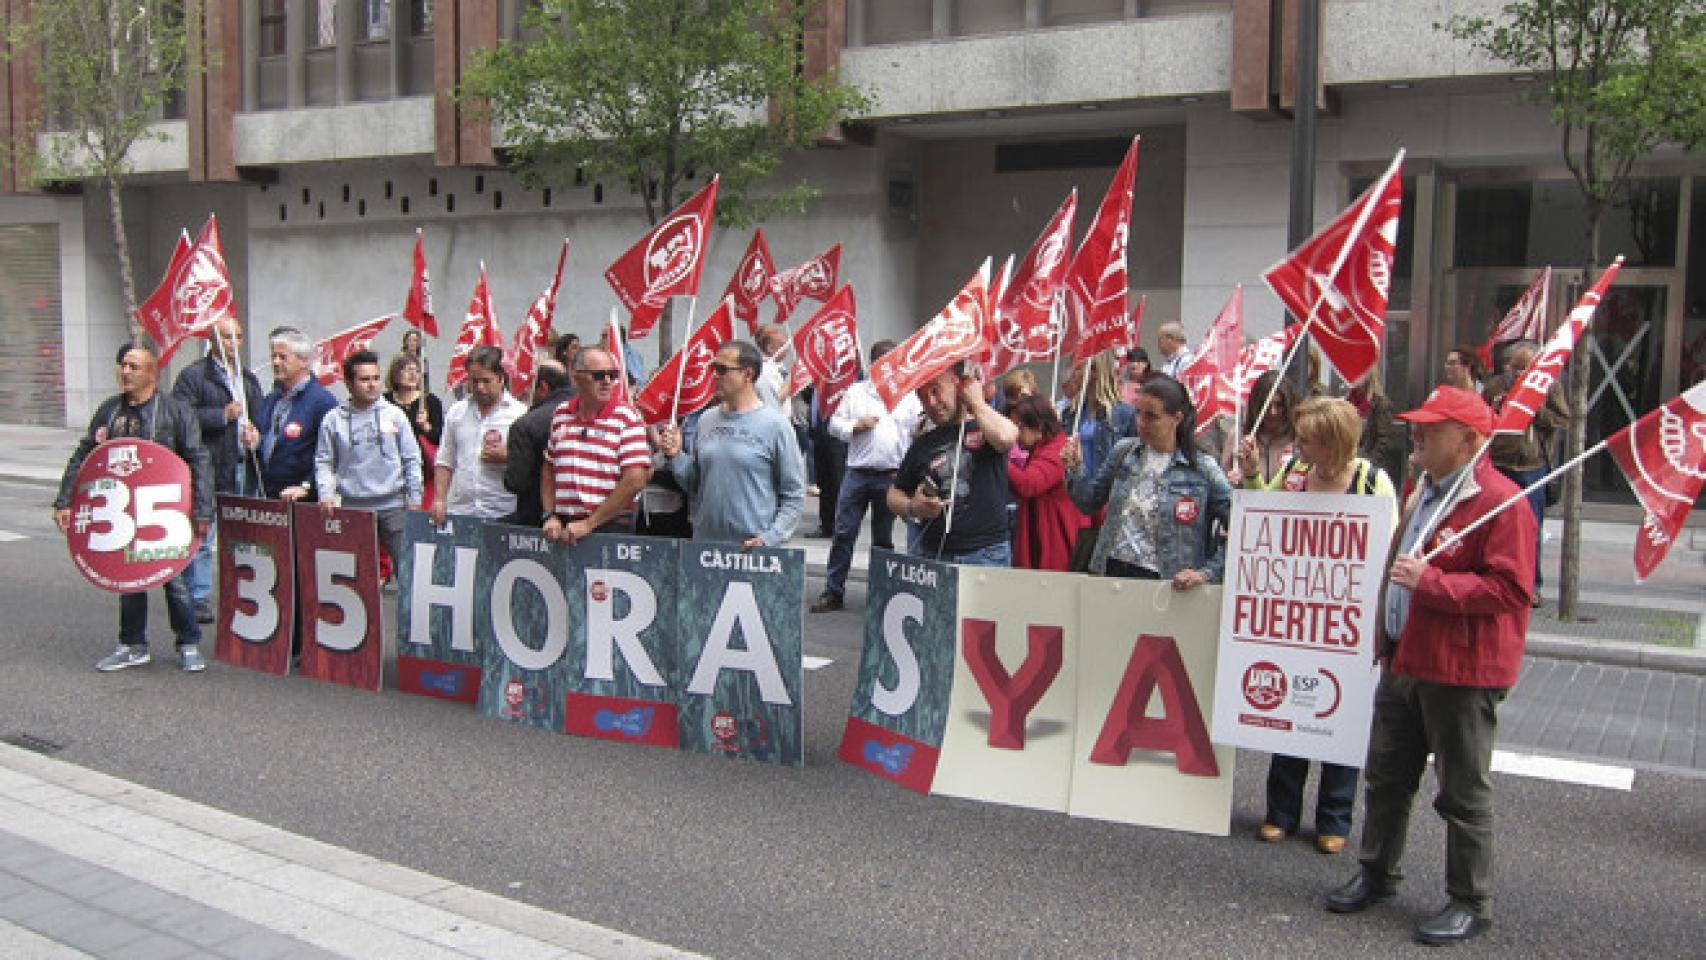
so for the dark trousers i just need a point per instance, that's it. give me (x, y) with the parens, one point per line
(1334, 797)
(1456, 724)
(1537, 503)
(859, 489)
(133, 615)
(830, 455)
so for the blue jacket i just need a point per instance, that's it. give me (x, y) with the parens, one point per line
(1199, 544)
(290, 462)
(203, 387)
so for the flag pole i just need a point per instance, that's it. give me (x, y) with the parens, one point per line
(229, 362)
(1519, 495)
(681, 369)
(1059, 345)
(1083, 392)
(953, 488)
(1285, 362)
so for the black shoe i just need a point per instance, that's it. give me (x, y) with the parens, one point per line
(827, 601)
(203, 612)
(1357, 895)
(1451, 925)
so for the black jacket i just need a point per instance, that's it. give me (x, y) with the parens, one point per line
(529, 435)
(203, 388)
(172, 425)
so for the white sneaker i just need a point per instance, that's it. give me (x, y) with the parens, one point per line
(124, 656)
(191, 660)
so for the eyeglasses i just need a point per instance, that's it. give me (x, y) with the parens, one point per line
(723, 371)
(607, 376)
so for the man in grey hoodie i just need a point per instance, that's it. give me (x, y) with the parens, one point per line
(367, 458)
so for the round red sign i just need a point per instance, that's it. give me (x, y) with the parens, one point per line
(131, 508)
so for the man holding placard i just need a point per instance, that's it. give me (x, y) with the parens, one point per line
(367, 457)
(1453, 628)
(143, 412)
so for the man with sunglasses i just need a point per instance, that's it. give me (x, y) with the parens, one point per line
(598, 460)
(745, 465)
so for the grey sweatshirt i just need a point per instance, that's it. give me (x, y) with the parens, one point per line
(745, 473)
(369, 457)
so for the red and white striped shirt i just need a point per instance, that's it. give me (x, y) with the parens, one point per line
(587, 457)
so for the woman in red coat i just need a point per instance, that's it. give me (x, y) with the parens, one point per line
(1048, 521)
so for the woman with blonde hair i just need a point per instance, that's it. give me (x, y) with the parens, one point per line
(1107, 418)
(1327, 432)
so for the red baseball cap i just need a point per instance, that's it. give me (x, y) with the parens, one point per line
(1456, 404)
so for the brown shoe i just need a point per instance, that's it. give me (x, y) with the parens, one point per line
(1329, 844)
(1268, 833)
(828, 601)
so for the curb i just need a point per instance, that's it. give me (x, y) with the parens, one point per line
(1618, 653)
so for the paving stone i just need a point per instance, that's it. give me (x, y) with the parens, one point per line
(87, 928)
(153, 946)
(1613, 713)
(267, 945)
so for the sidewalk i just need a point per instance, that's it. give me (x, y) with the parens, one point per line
(93, 866)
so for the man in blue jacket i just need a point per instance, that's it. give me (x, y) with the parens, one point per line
(225, 398)
(287, 431)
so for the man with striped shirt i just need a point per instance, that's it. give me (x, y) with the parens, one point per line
(598, 459)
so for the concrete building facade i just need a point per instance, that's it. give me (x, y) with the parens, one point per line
(323, 137)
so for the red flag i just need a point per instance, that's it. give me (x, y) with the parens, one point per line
(665, 262)
(826, 348)
(1096, 286)
(1208, 378)
(1135, 335)
(955, 334)
(1337, 282)
(200, 294)
(479, 329)
(815, 279)
(1526, 319)
(751, 283)
(535, 330)
(155, 313)
(1257, 358)
(1528, 395)
(1663, 456)
(417, 308)
(613, 339)
(799, 378)
(688, 371)
(330, 353)
(1026, 322)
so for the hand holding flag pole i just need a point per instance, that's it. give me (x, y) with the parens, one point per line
(681, 371)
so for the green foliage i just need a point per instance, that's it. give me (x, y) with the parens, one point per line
(1621, 77)
(646, 92)
(106, 70)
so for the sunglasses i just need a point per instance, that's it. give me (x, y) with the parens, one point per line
(604, 375)
(722, 371)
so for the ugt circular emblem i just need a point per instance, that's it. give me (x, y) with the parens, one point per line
(130, 524)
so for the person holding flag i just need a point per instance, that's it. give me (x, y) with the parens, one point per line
(953, 478)
(1523, 457)
(287, 432)
(1452, 632)
(744, 470)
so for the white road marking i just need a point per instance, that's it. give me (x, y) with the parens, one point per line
(817, 663)
(7, 536)
(1565, 771)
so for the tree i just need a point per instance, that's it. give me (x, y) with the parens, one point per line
(649, 93)
(106, 69)
(1622, 78)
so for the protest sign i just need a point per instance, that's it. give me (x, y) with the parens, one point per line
(1296, 664)
(338, 557)
(522, 598)
(622, 680)
(257, 584)
(130, 525)
(437, 655)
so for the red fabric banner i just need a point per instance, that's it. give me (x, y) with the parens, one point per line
(330, 353)
(1209, 377)
(1027, 321)
(957, 333)
(195, 294)
(813, 280)
(1526, 319)
(479, 329)
(750, 285)
(1096, 285)
(417, 308)
(1529, 394)
(1663, 456)
(826, 349)
(665, 262)
(688, 371)
(533, 333)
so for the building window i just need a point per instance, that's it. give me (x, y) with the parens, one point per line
(272, 28)
(375, 19)
(420, 17)
(1535, 223)
(324, 31)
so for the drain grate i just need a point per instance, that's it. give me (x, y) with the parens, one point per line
(30, 741)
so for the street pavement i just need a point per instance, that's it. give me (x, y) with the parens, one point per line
(1599, 843)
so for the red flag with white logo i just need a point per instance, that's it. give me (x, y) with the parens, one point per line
(1026, 322)
(813, 280)
(1528, 395)
(826, 348)
(535, 330)
(688, 371)
(1663, 456)
(479, 329)
(1257, 358)
(1208, 378)
(665, 262)
(200, 294)
(751, 283)
(955, 334)
(417, 307)
(613, 337)
(1096, 285)
(1337, 282)
(155, 313)
(1526, 319)
(330, 353)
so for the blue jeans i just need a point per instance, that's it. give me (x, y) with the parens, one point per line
(133, 615)
(199, 574)
(859, 488)
(1537, 503)
(994, 555)
(1334, 798)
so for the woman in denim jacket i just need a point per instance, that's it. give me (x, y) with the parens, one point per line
(1168, 504)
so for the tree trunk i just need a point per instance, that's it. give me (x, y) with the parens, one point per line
(1569, 564)
(121, 246)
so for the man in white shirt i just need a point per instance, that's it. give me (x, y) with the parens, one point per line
(468, 478)
(876, 441)
(772, 382)
(1175, 353)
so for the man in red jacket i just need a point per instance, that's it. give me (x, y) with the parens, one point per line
(1451, 639)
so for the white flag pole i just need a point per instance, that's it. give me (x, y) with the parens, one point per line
(1518, 496)
(953, 487)
(681, 368)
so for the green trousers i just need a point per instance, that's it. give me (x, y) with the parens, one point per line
(1413, 718)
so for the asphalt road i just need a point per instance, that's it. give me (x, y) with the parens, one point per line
(743, 860)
